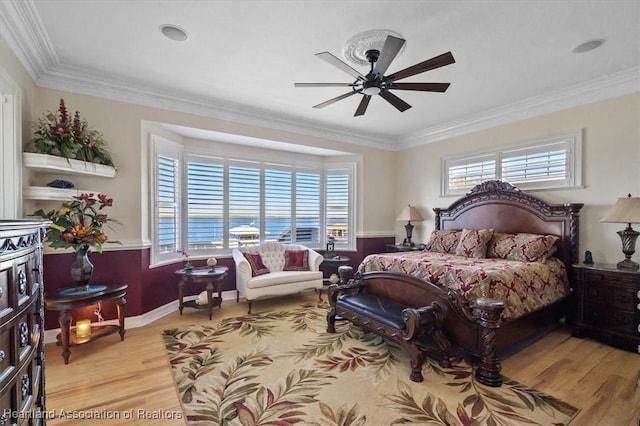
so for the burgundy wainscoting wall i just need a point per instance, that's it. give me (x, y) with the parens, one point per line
(150, 288)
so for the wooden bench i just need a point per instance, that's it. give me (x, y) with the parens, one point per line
(393, 312)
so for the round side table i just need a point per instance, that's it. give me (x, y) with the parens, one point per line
(209, 276)
(65, 299)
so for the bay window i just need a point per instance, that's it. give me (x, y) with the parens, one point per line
(208, 205)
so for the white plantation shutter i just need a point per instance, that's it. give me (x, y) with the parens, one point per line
(168, 218)
(466, 173)
(277, 203)
(549, 163)
(244, 202)
(338, 206)
(205, 204)
(307, 208)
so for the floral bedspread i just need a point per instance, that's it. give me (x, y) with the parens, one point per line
(523, 286)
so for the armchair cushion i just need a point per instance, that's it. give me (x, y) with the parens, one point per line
(296, 260)
(257, 266)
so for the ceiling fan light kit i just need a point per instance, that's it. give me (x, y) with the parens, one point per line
(375, 82)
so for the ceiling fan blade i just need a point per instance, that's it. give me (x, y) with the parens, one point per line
(423, 87)
(401, 105)
(336, 99)
(323, 84)
(328, 57)
(429, 64)
(392, 46)
(362, 108)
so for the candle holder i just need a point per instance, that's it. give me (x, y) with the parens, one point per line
(83, 328)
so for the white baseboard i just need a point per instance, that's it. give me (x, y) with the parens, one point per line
(50, 336)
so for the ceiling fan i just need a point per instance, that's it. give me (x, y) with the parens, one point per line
(376, 83)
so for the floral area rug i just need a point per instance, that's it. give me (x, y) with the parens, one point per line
(283, 368)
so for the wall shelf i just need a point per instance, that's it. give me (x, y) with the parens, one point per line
(51, 164)
(52, 194)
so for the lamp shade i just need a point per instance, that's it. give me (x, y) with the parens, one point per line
(625, 210)
(409, 213)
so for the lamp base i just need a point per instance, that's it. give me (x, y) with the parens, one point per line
(628, 265)
(409, 228)
(628, 236)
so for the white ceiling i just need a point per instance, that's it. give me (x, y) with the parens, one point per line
(513, 59)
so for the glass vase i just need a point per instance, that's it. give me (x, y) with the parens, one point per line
(81, 268)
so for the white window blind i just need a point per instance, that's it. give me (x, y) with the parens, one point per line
(467, 173)
(307, 208)
(540, 164)
(167, 220)
(338, 206)
(554, 162)
(277, 204)
(244, 205)
(205, 203)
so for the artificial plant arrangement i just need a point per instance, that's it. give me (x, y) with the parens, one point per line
(79, 224)
(56, 133)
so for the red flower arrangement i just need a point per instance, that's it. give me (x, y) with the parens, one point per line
(58, 134)
(79, 223)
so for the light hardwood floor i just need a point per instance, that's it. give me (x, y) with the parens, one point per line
(131, 378)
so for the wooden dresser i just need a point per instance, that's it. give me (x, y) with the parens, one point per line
(22, 393)
(608, 305)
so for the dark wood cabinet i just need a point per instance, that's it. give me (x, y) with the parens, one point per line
(608, 305)
(22, 394)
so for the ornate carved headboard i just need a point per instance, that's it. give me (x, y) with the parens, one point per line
(503, 207)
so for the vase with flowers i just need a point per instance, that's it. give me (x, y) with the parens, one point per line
(187, 263)
(79, 224)
(59, 134)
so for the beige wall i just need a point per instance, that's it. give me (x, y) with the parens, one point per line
(611, 167)
(121, 124)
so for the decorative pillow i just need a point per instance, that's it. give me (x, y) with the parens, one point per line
(296, 260)
(523, 247)
(473, 242)
(443, 241)
(257, 265)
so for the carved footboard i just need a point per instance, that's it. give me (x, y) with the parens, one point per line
(473, 331)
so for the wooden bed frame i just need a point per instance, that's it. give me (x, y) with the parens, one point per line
(477, 332)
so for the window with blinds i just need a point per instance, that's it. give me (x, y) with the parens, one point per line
(210, 205)
(278, 186)
(307, 208)
(205, 202)
(167, 218)
(542, 164)
(338, 206)
(467, 173)
(244, 205)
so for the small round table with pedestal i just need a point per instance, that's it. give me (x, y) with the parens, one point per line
(65, 299)
(207, 275)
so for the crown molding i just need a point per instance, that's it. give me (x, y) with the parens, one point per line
(613, 85)
(92, 83)
(24, 32)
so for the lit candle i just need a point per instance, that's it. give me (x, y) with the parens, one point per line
(83, 328)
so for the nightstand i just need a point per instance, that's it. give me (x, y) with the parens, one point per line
(607, 305)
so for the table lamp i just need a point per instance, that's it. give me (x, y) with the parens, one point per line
(409, 213)
(626, 210)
